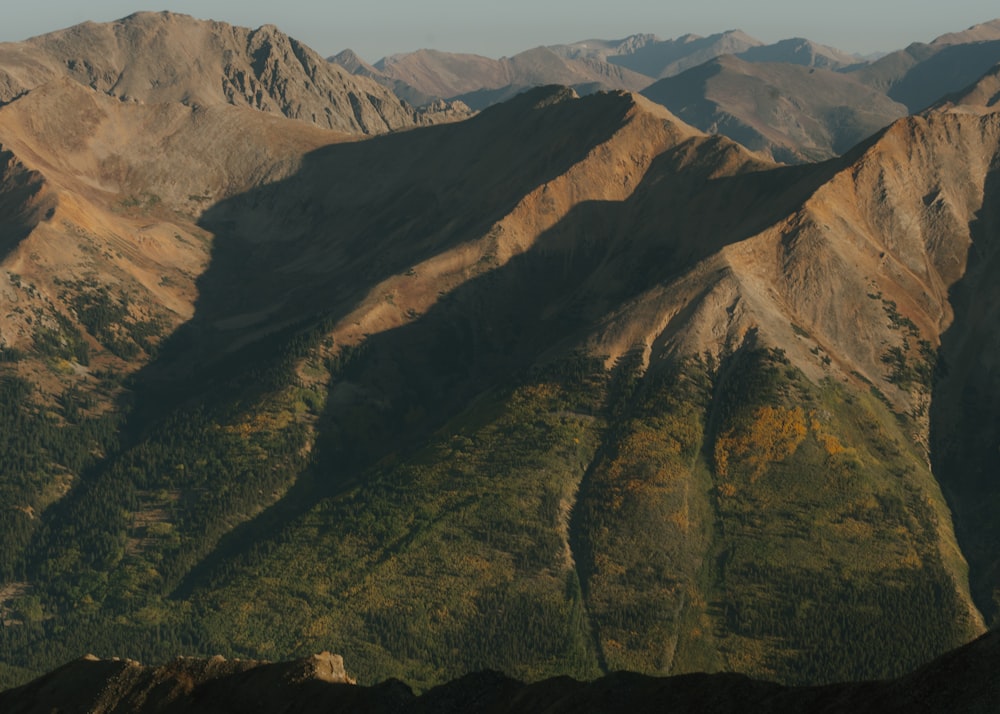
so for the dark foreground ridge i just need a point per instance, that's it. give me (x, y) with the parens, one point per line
(965, 680)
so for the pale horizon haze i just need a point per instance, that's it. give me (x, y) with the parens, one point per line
(375, 30)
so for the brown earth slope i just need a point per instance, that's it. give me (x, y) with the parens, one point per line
(90, 214)
(165, 57)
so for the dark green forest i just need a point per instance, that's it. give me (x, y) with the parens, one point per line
(701, 514)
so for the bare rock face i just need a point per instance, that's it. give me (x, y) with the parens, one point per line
(325, 667)
(165, 57)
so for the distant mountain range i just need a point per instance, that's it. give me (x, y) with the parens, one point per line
(785, 107)
(566, 386)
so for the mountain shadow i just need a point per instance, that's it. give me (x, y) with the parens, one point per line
(356, 213)
(488, 334)
(965, 406)
(200, 486)
(24, 201)
(946, 71)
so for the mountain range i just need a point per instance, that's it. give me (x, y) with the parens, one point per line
(564, 387)
(794, 100)
(135, 59)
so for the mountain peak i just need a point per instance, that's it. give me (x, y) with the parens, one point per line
(157, 57)
(982, 32)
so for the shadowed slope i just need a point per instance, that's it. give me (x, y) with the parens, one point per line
(790, 112)
(963, 680)
(982, 96)
(86, 205)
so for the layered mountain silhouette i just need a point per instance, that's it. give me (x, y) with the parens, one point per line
(479, 81)
(920, 74)
(773, 98)
(566, 388)
(790, 112)
(963, 680)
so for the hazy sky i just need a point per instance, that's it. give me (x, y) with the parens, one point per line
(380, 27)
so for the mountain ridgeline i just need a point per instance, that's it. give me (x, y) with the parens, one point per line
(568, 387)
(794, 100)
(964, 680)
(136, 59)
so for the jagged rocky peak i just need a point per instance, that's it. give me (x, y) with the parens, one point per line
(167, 57)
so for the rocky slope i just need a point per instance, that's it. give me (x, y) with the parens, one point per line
(94, 219)
(136, 59)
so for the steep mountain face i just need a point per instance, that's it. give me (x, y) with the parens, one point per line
(790, 112)
(100, 263)
(89, 211)
(566, 388)
(135, 59)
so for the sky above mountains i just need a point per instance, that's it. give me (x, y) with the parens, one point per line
(374, 30)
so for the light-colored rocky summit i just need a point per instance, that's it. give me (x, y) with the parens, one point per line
(166, 57)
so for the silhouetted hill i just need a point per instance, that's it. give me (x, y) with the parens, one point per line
(965, 680)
